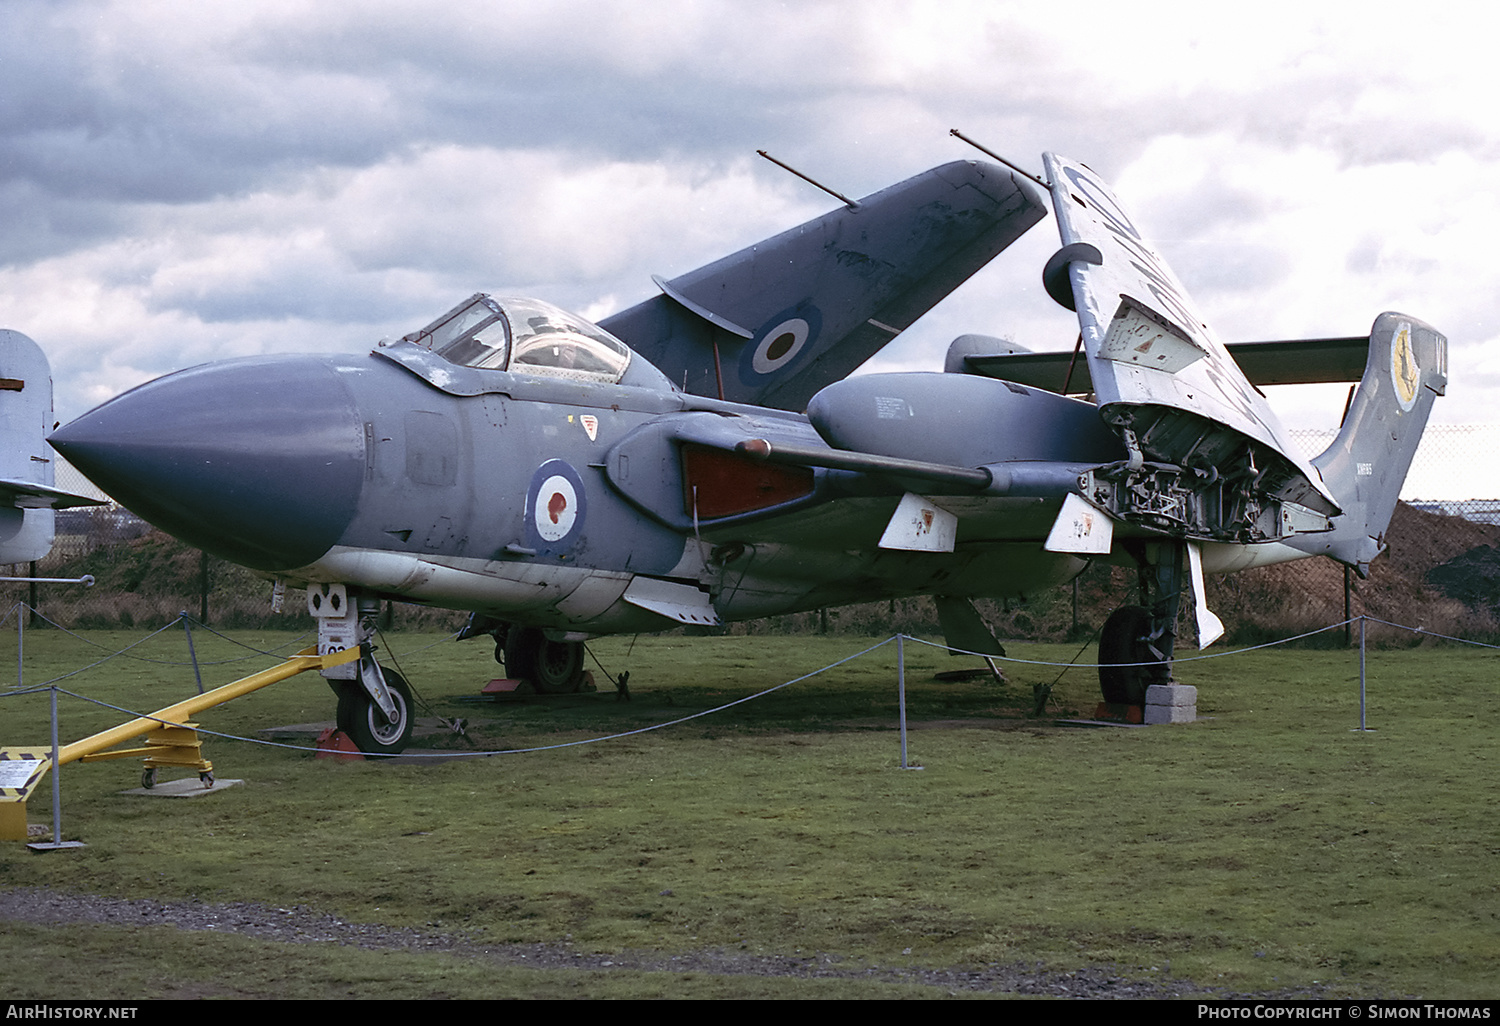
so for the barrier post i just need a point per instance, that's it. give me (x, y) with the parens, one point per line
(56, 775)
(192, 653)
(1348, 606)
(1362, 673)
(57, 843)
(901, 695)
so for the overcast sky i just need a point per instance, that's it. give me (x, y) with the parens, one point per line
(186, 181)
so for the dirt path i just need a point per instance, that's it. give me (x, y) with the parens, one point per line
(300, 925)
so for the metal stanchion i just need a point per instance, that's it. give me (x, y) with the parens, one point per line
(57, 843)
(1362, 725)
(901, 695)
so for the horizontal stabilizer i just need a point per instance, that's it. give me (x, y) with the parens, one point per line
(30, 495)
(27, 495)
(1297, 362)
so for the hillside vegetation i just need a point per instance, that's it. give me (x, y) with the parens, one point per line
(1441, 573)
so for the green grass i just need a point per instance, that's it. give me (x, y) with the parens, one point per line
(1266, 848)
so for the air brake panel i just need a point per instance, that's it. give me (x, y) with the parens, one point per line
(723, 484)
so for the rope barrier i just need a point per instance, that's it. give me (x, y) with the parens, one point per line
(501, 751)
(100, 662)
(1427, 633)
(51, 685)
(1154, 662)
(161, 662)
(235, 641)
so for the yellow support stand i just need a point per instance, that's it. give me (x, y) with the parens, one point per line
(166, 745)
(171, 740)
(177, 746)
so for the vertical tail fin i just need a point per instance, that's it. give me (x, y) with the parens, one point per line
(1365, 467)
(27, 497)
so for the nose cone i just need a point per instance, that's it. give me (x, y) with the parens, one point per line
(258, 461)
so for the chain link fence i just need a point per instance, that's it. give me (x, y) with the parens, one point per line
(1442, 573)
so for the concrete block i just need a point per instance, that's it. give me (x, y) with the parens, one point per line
(1171, 694)
(1171, 703)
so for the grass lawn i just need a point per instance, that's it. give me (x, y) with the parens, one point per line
(1268, 847)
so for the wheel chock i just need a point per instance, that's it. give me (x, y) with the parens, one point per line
(1119, 713)
(335, 744)
(511, 687)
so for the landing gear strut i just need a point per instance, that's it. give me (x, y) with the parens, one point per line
(1136, 644)
(375, 704)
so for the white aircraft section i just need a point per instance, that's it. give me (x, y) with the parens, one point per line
(1145, 341)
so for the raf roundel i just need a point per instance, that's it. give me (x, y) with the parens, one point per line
(780, 346)
(555, 505)
(784, 338)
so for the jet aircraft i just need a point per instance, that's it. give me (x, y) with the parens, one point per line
(561, 479)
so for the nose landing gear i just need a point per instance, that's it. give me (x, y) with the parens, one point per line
(367, 725)
(375, 707)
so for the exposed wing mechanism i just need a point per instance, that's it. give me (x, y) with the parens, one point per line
(1207, 458)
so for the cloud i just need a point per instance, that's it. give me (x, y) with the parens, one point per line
(179, 181)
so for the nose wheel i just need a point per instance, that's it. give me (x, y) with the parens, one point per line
(361, 718)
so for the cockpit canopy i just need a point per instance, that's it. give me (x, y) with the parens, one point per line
(525, 336)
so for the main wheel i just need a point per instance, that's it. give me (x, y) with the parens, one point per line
(553, 667)
(360, 717)
(1123, 640)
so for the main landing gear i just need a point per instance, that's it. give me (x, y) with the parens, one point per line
(551, 667)
(1128, 661)
(1136, 644)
